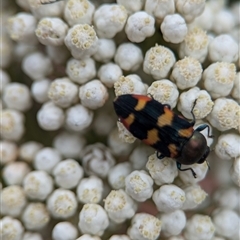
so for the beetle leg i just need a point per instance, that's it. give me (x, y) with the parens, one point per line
(194, 119)
(185, 169)
(160, 155)
(202, 127)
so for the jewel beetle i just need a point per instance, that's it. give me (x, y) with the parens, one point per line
(170, 134)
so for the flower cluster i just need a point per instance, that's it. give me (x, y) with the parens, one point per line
(69, 169)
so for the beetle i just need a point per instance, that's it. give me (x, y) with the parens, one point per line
(167, 132)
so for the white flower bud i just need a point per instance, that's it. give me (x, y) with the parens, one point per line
(21, 28)
(8, 152)
(119, 146)
(158, 62)
(174, 28)
(128, 56)
(186, 72)
(21, 50)
(67, 173)
(78, 118)
(64, 231)
(90, 190)
(139, 156)
(194, 196)
(109, 73)
(194, 45)
(117, 175)
(109, 19)
(205, 20)
(203, 106)
(11, 228)
(99, 126)
(13, 201)
(173, 223)
(93, 219)
(130, 84)
(97, 160)
(50, 117)
(119, 206)
(105, 51)
(41, 10)
(58, 54)
(88, 237)
(159, 9)
(219, 78)
(38, 185)
(32, 236)
(93, 94)
(51, 31)
(190, 9)
(164, 91)
(227, 197)
(225, 114)
(28, 150)
(139, 185)
(17, 96)
(39, 90)
(226, 222)
(63, 92)
(37, 66)
(14, 173)
(227, 146)
(223, 48)
(78, 12)
(69, 145)
(223, 22)
(11, 125)
(46, 159)
(169, 198)
(119, 237)
(140, 25)
(162, 171)
(35, 216)
(199, 227)
(81, 71)
(131, 7)
(235, 171)
(81, 40)
(62, 204)
(144, 227)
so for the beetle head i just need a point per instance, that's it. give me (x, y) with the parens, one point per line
(195, 150)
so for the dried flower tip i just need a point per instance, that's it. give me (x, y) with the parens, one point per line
(51, 31)
(203, 105)
(130, 84)
(195, 45)
(225, 114)
(93, 219)
(186, 72)
(158, 61)
(81, 40)
(144, 226)
(164, 91)
(163, 171)
(119, 206)
(76, 12)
